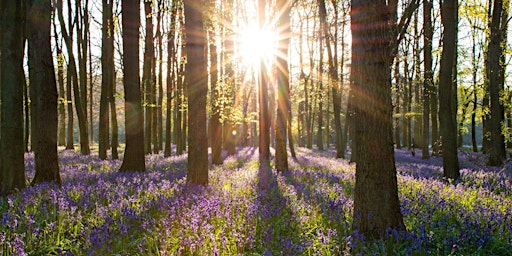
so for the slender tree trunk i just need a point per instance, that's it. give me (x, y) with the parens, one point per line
(12, 168)
(79, 107)
(264, 115)
(197, 88)
(428, 81)
(215, 125)
(283, 85)
(333, 77)
(106, 79)
(149, 53)
(447, 126)
(397, 105)
(171, 78)
(159, 107)
(134, 152)
(320, 94)
(60, 80)
(43, 92)
(496, 67)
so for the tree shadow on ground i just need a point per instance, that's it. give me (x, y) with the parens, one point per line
(278, 231)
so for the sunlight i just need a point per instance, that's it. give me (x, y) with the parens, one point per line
(257, 45)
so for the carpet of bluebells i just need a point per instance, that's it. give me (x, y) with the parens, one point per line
(307, 210)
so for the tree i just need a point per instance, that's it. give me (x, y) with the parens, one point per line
(147, 76)
(43, 92)
(171, 75)
(333, 78)
(264, 116)
(107, 77)
(215, 124)
(134, 153)
(375, 34)
(283, 80)
(197, 88)
(447, 123)
(496, 72)
(12, 169)
(428, 81)
(72, 73)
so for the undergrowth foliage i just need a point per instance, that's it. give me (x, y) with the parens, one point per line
(307, 210)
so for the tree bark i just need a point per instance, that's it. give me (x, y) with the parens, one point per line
(82, 118)
(376, 203)
(497, 145)
(43, 92)
(215, 125)
(428, 81)
(264, 115)
(283, 85)
(447, 125)
(197, 89)
(12, 168)
(134, 153)
(147, 77)
(107, 78)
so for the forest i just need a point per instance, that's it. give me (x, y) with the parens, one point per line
(255, 127)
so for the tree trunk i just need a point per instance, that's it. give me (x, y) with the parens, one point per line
(447, 125)
(376, 203)
(398, 143)
(43, 92)
(215, 125)
(333, 78)
(134, 153)
(60, 80)
(319, 96)
(264, 115)
(197, 88)
(106, 79)
(428, 81)
(82, 118)
(171, 78)
(12, 168)
(147, 75)
(283, 85)
(159, 101)
(496, 67)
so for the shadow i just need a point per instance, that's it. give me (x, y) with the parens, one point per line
(278, 231)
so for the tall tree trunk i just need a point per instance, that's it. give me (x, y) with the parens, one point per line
(79, 107)
(106, 79)
(147, 75)
(283, 86)
(197, 88)
(264, 115)
(60, 80)
(159, 101)
(397, 105)
(43, 92)
(333, 78)
(215, 125)
(496, 67)
(134, 153)
(12, 168)
(171, 78)
(319, 96)
(376, 203)
(447, 125)
(428, 81)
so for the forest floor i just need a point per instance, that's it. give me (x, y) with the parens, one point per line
(307, 210)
